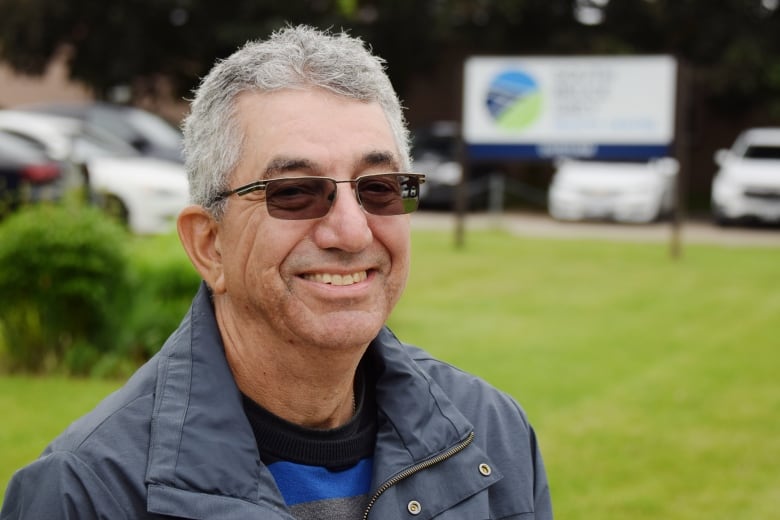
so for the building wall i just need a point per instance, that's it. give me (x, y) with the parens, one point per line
(54, 85)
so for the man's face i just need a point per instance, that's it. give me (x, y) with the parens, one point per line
(280, 278)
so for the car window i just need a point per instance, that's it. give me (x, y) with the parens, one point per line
(439, 139)
(87, 147)
(113, 122)
(762, 152)
(131, 125)
(18, 148)
(154, 128)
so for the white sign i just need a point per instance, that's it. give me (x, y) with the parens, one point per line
(575, 106)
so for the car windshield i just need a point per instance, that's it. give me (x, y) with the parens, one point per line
(763, 152)
(88, 146)
(17, 148)
(439, 139)
(155, 128)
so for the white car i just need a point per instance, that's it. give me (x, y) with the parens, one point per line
(147, 193)
(747, 185)
(636, 192)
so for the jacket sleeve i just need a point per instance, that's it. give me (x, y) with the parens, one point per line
(58, 486)
(542, 501)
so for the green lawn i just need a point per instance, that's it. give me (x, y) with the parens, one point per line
(35, 409)
(653, 384)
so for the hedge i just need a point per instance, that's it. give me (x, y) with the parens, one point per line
(74, 299)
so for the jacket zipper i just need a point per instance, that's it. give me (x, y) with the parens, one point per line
(416, 469)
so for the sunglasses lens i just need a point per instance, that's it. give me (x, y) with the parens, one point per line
(300, 198)
(391, 194)
(303, 198)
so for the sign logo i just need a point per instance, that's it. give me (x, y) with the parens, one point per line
(514, 100)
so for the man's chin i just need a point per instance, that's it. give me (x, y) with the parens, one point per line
(346, 329)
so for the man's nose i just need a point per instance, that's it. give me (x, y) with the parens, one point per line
(345, 227)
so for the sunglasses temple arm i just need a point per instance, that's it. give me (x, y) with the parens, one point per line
(249, 188)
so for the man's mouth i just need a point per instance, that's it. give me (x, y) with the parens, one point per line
(336, 279)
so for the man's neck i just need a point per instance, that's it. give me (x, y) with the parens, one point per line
(308, 386)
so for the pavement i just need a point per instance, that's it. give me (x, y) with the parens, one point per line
(540, 225)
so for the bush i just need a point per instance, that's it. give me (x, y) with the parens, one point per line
(163, 287)
(64, 280)
(83, 296)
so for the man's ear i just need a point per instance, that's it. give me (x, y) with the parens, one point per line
(199, 234)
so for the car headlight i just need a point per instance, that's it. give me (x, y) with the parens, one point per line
(725, 185)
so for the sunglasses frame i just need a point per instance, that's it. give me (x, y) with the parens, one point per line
(263, 185)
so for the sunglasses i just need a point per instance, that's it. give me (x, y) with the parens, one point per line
(302, 198)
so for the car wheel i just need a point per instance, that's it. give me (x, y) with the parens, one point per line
(721, 219)
(114, 207)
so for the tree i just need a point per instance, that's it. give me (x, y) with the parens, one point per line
(729, 47)
(134, 42)
(732, 43)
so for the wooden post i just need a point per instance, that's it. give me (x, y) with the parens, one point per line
(682, 153)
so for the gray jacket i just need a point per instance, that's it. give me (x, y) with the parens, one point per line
(175, 441)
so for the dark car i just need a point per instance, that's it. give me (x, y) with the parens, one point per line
(434, 153)
(27, 174)
(148, 133)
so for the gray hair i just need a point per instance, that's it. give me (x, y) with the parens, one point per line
(293, 57)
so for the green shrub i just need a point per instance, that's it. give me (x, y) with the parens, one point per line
(82, 296)
(162, 288)
(63, 277)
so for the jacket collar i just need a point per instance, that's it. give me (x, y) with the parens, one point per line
(416, 418)
(201, 440)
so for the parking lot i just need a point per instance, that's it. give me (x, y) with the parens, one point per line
(540, 225)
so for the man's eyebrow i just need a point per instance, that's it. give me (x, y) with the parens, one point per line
(280, 165)
(380, 158)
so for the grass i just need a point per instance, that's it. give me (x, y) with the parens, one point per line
(35, 409)
(652, 383)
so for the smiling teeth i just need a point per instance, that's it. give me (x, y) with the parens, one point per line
(337, 279)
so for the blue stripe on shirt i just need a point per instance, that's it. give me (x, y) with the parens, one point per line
(301, 483)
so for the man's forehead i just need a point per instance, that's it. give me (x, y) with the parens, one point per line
(281, 164)
(277, 129)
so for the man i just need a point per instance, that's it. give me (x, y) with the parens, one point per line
(282, 395)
